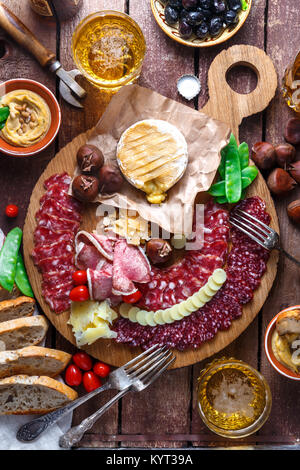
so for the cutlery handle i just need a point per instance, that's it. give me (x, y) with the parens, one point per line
(23, 36)
(75, 434)
(30, 431)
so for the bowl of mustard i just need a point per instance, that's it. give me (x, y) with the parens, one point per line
(32, 117)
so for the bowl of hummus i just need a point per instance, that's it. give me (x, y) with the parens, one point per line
(33, 120)
(282, 342)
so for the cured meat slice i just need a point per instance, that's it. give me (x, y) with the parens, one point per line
(44, 235)
(129, 265)
(103, 244)
(55, 263)
(58, 192)
(100, 284)
(54, 249)
(87, 256)
(53, 207)
(56, 278)
(59, 178)
(53, 222)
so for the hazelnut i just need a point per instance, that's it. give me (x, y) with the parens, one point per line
(110, 179)
(263, 155)
(292, 131)
(158, 250)
(285, 154)
(280, 182)
(293, 210)
(85, 187)
(89, 159)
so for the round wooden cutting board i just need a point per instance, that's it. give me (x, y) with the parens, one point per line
(241, 105)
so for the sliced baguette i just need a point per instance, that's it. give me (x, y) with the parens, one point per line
(16, 308)
(22, 332)
(6, 295)
(33, 360)
(21, 395)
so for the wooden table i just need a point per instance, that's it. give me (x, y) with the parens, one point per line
(148, 419)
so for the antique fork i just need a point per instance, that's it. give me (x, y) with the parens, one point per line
(141, 375)
(120, 379)
(259, 232)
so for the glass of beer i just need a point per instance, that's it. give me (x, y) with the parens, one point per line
(234, 400)
(109, 48)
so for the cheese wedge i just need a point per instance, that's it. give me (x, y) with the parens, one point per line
(153, 155)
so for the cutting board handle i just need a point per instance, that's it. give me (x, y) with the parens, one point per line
(229, 106)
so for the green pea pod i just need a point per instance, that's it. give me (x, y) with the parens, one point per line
(244, 5)
(244, 155)
(21, 278)
(8, 258)
(221, 200)
(232, 142)
(233, 179)
(217, 189)
(250, 172)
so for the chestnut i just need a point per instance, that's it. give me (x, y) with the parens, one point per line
(292, 131)
(158, 250)
(89, 158)
(263, 155)
(85, 187)
(280, 182)
(294, 170)
(285, 154)
(293, 210)
(110, 179)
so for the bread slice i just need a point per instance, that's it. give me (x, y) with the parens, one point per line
(22, 332)
(33, 360)
(6, 295)
(16, 308)
(21, 395)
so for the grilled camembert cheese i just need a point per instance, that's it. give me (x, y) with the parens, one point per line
(152, 154)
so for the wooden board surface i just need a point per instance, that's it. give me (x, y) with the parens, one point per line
(117, 354)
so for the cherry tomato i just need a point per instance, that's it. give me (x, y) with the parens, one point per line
(11, 210)
(73, 376)
(83, 360)
(91, 381)
(79, 294)
(132, 298)
(101, 369)
(79, 278)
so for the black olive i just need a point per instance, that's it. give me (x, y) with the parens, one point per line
(205, 12)
(194, 18)
(215, 26)
(206, 4)
(171, 15)
(185, 29)
(231, 17)
(234, 5)
(190, 4)
(177, 4)
(183, 13)
(202, 30)
(219, 6)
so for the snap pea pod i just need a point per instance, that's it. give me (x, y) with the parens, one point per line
(221, 200)
(232, 142)
(8, 258)
(21, 278)
(217, 189)
(244, 155)
(233, 179)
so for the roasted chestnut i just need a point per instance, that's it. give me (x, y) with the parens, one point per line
(110, 179)
(89, 159)
(285, 154)
(294, 170)
(292, 131)
(293, 210)
(263, 155)
(158, 250)
(85, 187)
(280, 182)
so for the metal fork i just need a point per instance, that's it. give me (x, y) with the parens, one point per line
(259, 232)
(120, 379)
(142, 374)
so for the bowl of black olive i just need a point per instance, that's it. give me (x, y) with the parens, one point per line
(200, 23)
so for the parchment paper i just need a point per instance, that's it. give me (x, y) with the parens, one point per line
(205, 138)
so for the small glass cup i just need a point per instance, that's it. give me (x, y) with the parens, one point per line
(234, 400)
(109, 48)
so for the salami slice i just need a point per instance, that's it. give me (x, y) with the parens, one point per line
(53, 222)
(59, 193)
(53, 207)
(55, 263)
(44, 235)
(62, 179)
(54, 249)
